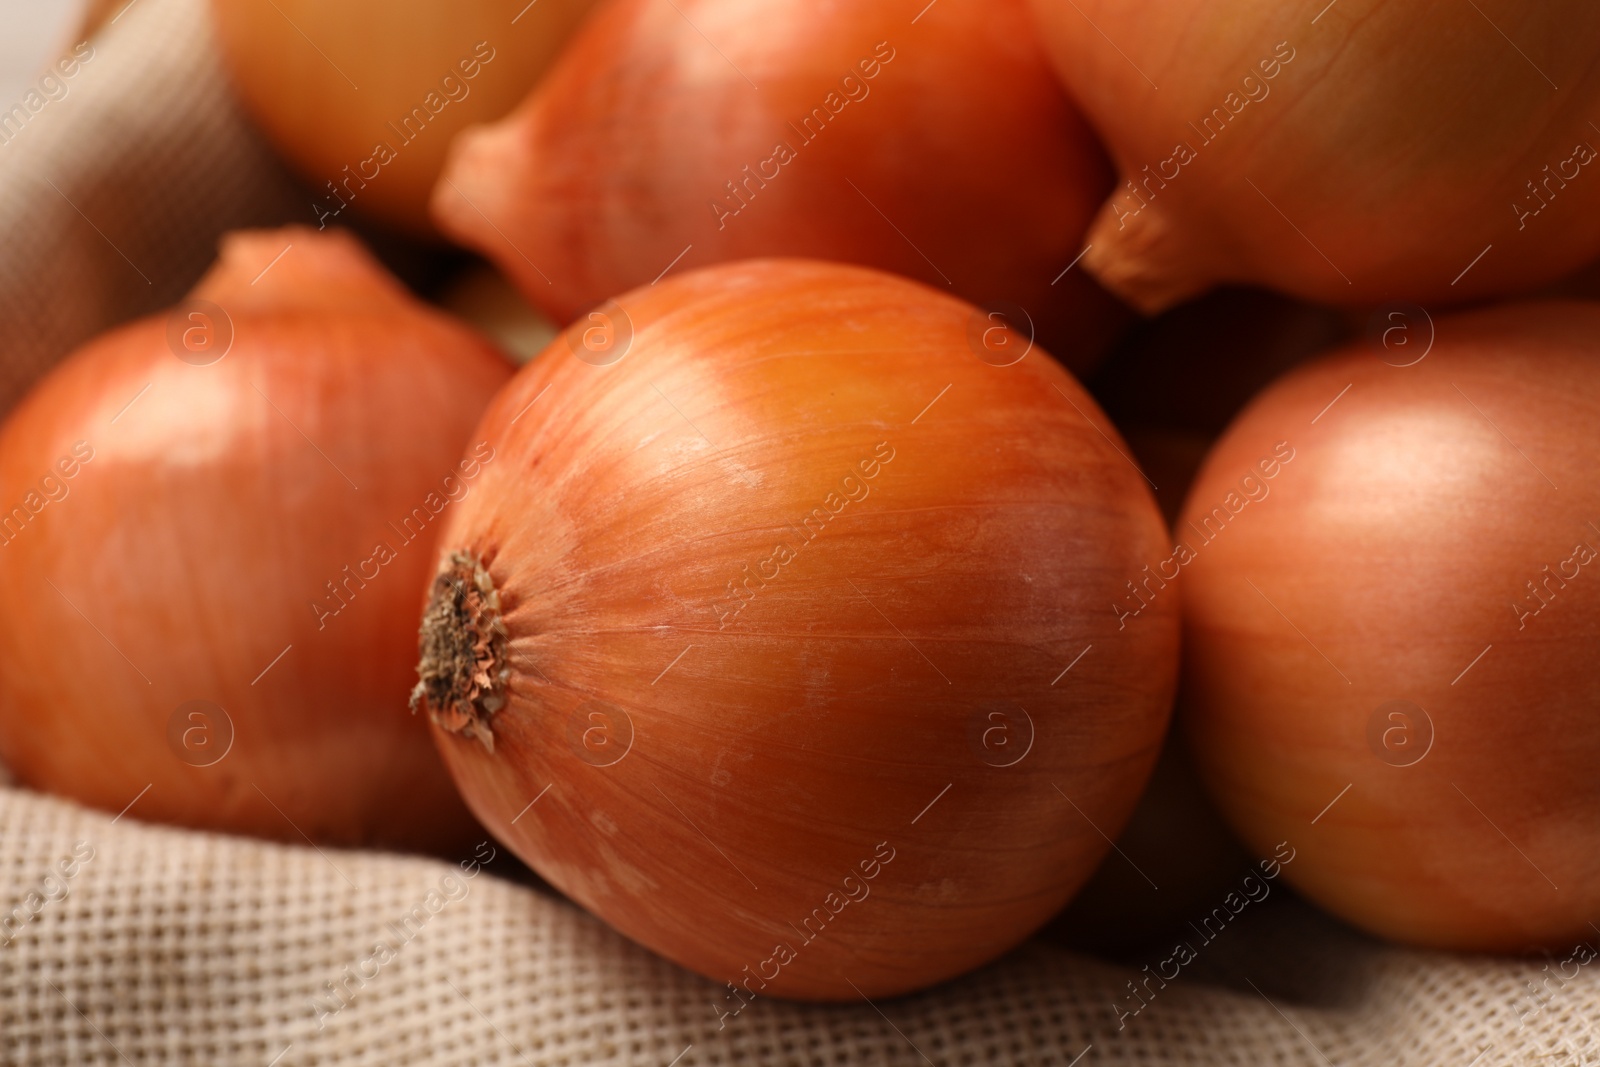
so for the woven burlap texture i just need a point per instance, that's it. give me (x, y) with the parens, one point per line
(122, 943)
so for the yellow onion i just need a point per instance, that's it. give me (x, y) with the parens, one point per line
(1391, 611)
(363, 97)
(215, 524)
(781, 637)
(1349, 152)
(669, 136)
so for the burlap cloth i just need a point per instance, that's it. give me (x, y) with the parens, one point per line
(169, 947)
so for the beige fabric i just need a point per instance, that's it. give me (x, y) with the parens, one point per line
(167, 947)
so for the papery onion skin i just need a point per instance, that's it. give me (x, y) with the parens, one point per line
(944, 150)
(1363, 170)
(1383, 566)
(329, 82)
(183, 561)
(778, 748)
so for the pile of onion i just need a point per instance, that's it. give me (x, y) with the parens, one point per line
(216, 523)
(932, 141)
(1391, 615)
(1318, 152)
(781, 633)
(364, 96)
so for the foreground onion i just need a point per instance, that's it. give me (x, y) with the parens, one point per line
(939, 147)
(215, 525)
(753, 641)
(1320, 153)
(1390, 644)
(363, 96)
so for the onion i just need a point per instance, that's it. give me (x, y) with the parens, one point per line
(212, 551)
(939, 147)
(364, 97)
(1315, 151)
(1390, 643)
(780, 636)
